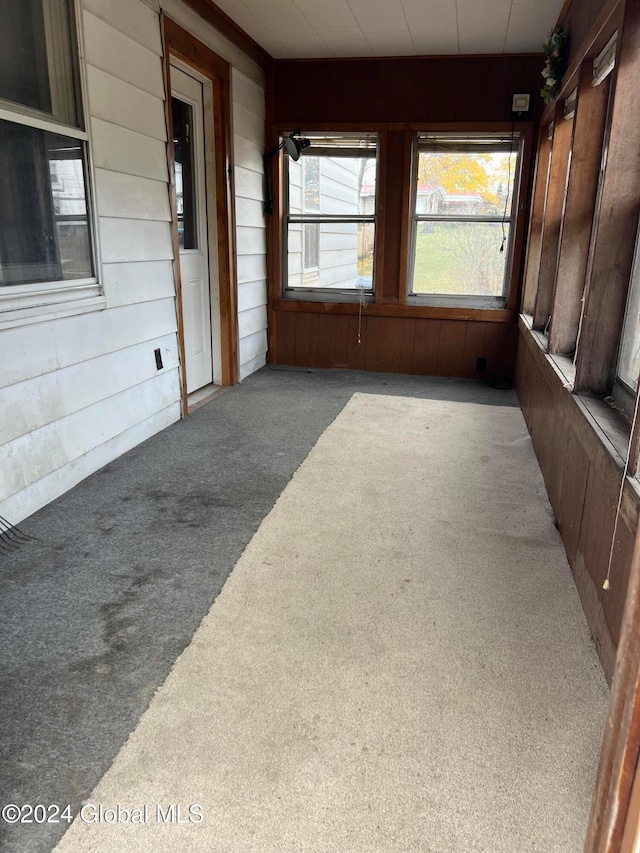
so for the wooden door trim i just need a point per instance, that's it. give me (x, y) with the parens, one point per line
(182, 45)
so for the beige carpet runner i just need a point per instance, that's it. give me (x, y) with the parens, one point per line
(398, 662)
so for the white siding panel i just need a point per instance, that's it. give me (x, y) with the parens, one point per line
(251, 321)
(250, 212)
(29, 500)
(122, 56)
(248, 184)
(253, 347)
(121, 150)
(248, 125)
(125, 105)
(251, 294)
(131, 17)
(251, 241)
(248, 93)
(251, 268)
(135, 240)
(29, 351)
(247, 154)
(47, 398)
(125, 284)
(129, 197)
(33, 456)
(251, 366)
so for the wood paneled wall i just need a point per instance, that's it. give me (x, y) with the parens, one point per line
(583, 481)
(435, 89)
(394, 96)
(427, 347)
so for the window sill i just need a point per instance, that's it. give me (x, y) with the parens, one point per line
(325, 294)
(486, 303)
(29, 304)
(610, 425)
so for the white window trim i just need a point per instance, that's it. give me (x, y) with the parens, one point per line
(38, 302)
(463, 300)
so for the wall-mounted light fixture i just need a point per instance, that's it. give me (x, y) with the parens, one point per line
(294, 144)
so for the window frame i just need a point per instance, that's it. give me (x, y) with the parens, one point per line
(453, 300)
(623, 394)
(329, 294)
(39, 301)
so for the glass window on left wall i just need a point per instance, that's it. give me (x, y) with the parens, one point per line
(45, 222)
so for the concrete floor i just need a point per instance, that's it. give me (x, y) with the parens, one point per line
(95, 613)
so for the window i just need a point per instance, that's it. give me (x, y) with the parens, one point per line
(45, 232)
(330, 217)
(625, 387)
(464, 203)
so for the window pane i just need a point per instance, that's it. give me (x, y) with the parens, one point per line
(335, 186)
(184, 153)
(344, 255)
(465, 183)
(44, 227)
(37, 51)
(629, 361)
(460, 258)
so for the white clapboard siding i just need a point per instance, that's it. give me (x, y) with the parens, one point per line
(52, 396)
(251, 294)
(256, 345)
(29, 351)
(251, 240)
(251, 268)
(128, 283)
(37, 454)
(251, 365)
(247, 154)
(122, 57)
(131, 17)
(249, 213)
(129, 197)
(246, 124)
(125, 105)
(121, 150)
(134, 240)
(249, 184)
(251, 321)
(48, 488)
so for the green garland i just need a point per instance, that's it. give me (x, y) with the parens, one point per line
(556, 49)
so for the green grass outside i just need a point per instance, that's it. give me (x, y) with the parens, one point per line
(441, 266)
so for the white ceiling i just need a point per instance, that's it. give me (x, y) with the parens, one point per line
(324, 28)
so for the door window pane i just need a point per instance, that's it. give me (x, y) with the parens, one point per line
(44, 227)
(185, 165)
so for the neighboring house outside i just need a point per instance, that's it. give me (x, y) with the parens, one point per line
(324, 255)
(79, 383)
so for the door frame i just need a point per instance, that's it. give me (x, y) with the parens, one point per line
(180, 44)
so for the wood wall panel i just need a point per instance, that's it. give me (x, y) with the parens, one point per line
(395, 344)
(442, 89)
(582, 480)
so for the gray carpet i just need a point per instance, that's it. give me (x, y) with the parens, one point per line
(94, 614)
(391, 665)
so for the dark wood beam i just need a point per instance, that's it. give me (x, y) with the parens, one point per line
(214, 15)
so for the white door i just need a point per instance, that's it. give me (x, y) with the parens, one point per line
(187, 104)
